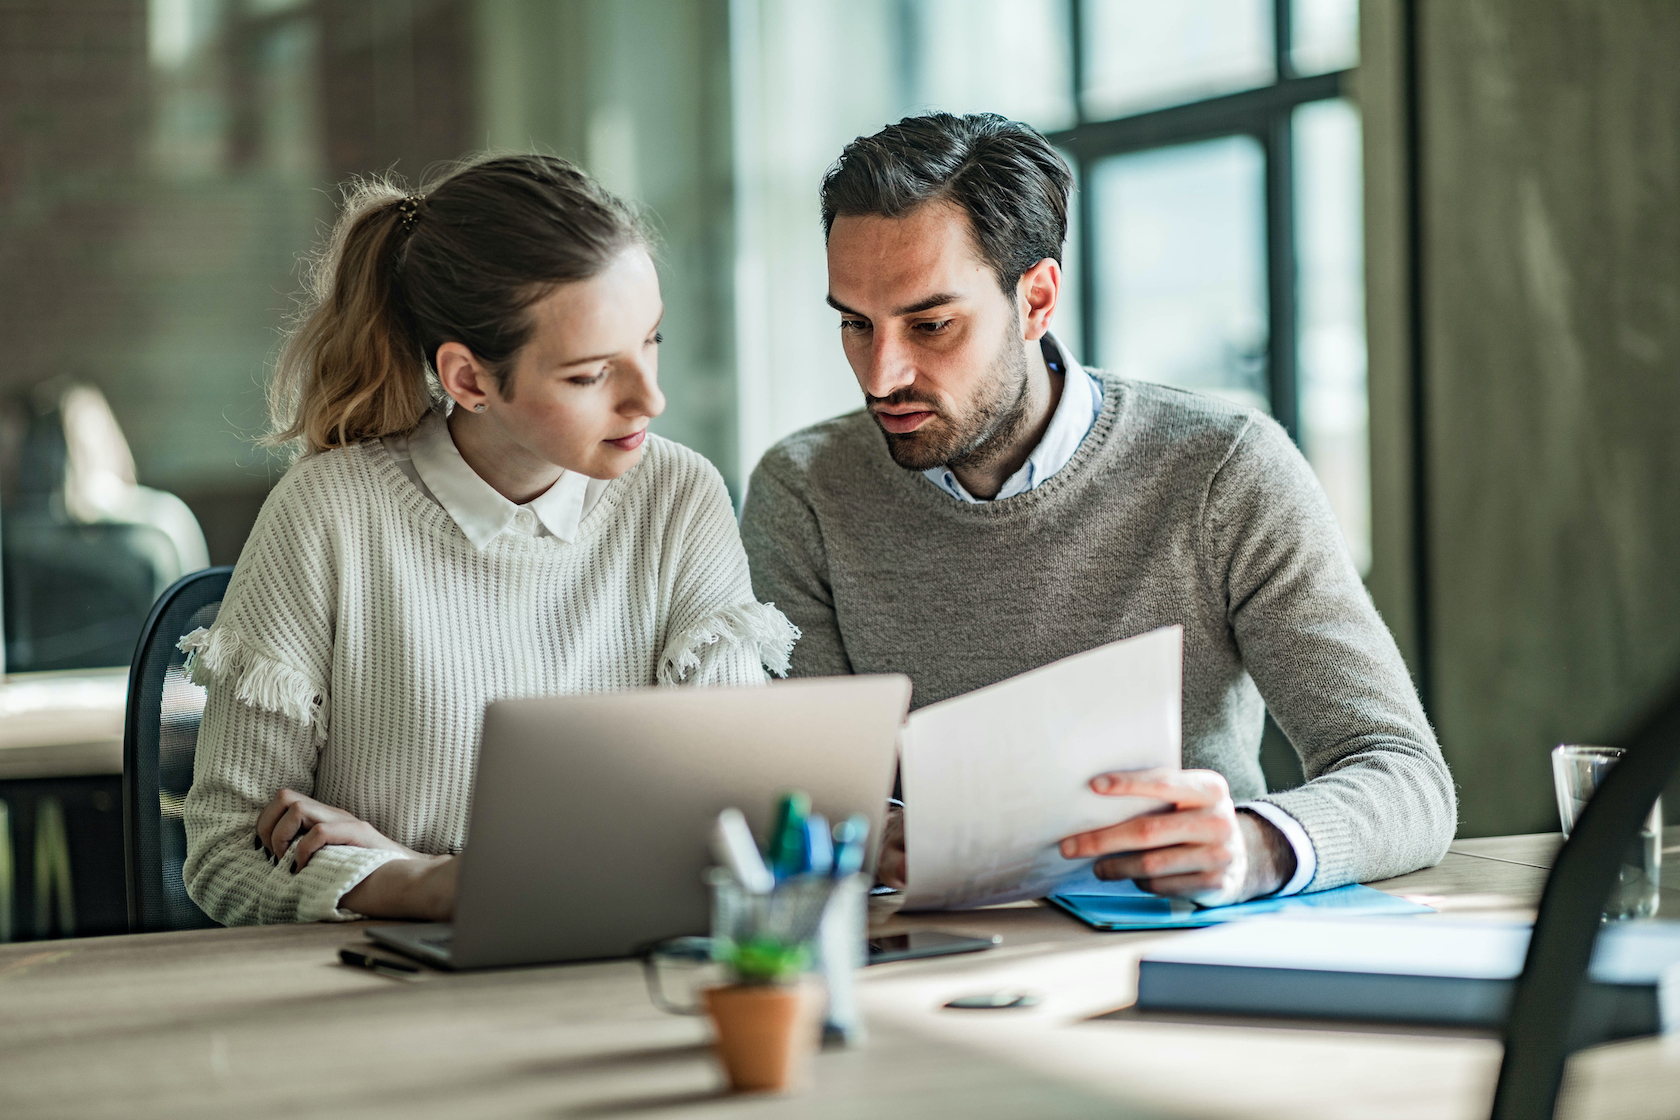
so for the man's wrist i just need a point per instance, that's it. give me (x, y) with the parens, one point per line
(1271, 858)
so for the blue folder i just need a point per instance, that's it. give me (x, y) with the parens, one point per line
(1118, 906)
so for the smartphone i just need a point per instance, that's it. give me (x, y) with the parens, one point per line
(924, 943)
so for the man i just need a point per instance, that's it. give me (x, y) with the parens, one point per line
(996, 507)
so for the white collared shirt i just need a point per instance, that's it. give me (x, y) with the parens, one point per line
(430, 459)
(1076, 413)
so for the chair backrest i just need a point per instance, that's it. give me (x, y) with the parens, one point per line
(160, 736)
(1545, 1023)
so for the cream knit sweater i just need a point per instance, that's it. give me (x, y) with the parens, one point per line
(363, 633)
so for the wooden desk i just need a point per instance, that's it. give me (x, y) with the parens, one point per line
(61, 725)
(61, 754)
(263, 1021)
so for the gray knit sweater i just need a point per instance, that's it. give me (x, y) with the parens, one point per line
(1177, 508)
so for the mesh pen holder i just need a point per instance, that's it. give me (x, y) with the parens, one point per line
(809, 924)
(827, 917)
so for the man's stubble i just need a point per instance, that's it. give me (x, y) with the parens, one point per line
(985, 432)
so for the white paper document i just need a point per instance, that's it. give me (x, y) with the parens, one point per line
(994, 779)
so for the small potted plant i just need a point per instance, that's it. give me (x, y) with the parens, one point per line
(766, 1020)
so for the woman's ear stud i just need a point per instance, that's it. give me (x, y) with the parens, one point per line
(478, 408)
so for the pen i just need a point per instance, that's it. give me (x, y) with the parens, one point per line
(819, 846)
(787, 839)
(732, 844)
(849, 845)
(382, 965)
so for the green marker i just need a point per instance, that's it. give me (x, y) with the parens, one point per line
(787, 837)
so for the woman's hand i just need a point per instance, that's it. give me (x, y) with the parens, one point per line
(422, 888)
(315, 824)
(416, 886)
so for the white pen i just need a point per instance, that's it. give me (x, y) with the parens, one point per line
(734, 847)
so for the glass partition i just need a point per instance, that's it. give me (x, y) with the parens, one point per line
(1330, 365)
(1143, 54)
(1181, 267)
(1324, 34)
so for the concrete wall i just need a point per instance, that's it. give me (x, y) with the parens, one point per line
(1550, 268)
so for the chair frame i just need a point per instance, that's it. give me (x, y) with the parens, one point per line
(1540, 1033)
(142, 838)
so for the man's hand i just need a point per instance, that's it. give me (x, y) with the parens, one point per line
(891, 867)
(1200, 847)
(315, 824)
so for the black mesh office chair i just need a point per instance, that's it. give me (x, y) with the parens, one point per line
(1546, 1009)
(159, 738)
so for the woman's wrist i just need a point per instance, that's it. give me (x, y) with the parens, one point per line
(415, 888)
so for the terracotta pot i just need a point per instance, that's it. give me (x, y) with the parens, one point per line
(765, 1033)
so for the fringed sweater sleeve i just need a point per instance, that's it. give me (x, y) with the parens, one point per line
(719, 634)
(245, 757)
(266, 663)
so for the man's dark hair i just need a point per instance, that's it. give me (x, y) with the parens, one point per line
(1012, 183)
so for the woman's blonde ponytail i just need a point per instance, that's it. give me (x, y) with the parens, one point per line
(405, 273)
(352, 369)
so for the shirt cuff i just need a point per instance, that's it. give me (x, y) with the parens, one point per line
(1306, 858)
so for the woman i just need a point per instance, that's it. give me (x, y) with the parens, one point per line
(479, 512)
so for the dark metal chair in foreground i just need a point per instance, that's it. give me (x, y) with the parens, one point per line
(160, 736)
(1547, 1001)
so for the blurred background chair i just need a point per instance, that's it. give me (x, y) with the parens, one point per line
(160, 736)
(87, 550)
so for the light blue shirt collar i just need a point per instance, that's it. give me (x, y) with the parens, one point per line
(1072, 421)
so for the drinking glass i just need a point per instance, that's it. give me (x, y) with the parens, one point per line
(1576, 773)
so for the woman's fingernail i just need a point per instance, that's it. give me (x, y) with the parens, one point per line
(1102, 783)
(294, 868)
(1069, 847)
(258, 839)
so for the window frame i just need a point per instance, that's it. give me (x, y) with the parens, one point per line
(1265, 113)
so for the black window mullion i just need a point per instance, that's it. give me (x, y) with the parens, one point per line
(1087, 265)
(1249, 110)
(1265, 113)
(1076, 58)
(1280, 274)
(1282, 308)
(1283, 37)
(1082, 199)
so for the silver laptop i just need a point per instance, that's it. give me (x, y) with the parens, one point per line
(591, 814)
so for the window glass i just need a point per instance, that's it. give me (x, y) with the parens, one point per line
(1181, 274)
(1325, 34)
(998, 56)
(1331, 291)
(1143, 54)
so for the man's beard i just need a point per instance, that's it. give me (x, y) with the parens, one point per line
(983, 434)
